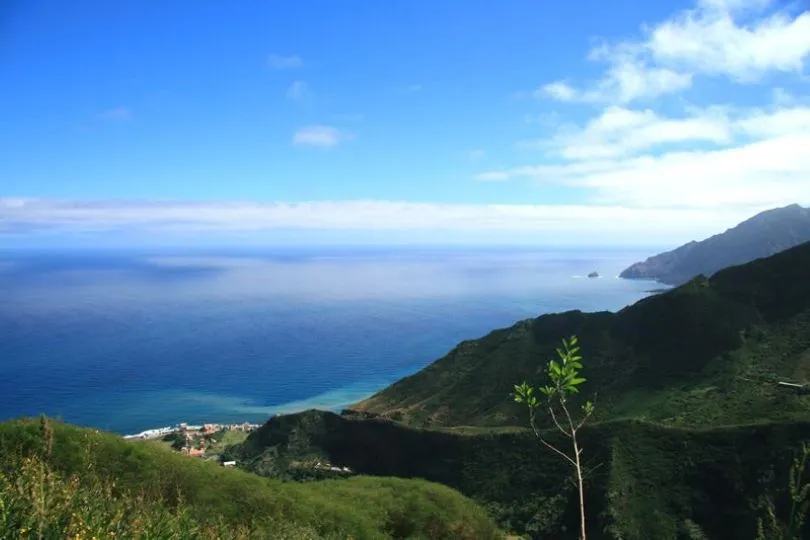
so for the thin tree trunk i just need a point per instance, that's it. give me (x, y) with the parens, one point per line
(581, 492)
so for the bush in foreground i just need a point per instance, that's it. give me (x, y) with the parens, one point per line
(60, 481)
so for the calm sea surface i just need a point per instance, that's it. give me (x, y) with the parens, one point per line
(129, 341)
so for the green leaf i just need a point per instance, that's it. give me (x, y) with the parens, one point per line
(577, 381)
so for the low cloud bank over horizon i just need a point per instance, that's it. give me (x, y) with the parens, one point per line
(30, 219)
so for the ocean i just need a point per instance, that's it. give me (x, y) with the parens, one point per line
(130, 340)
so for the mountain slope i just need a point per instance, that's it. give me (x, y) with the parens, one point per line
(691, 430)
(763, 235)
(644, 480)
(58, 480)
(730, 338)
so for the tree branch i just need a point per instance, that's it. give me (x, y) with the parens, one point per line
(554, 417)
(546, 443)
(570, 422)
(584, 419)
(587, 414)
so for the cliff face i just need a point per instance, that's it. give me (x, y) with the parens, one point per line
(760, 236)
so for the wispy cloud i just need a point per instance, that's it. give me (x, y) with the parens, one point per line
(762, 159)
(319, 136)
(115, 114)
(278, 61)
(627, 80)
(298, 91)
(412, 89)
(619, 131)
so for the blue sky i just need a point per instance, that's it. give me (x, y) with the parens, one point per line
(538, 122)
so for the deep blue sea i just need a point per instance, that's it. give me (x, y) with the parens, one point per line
(127, 341)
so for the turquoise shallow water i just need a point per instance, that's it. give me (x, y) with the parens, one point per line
(127, 341)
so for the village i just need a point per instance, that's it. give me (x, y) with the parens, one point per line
(204, 441)
(208, 441)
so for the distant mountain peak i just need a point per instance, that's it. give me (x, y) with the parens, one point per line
(761, 235)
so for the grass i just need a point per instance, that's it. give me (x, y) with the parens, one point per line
(225, 439)
(59, 481)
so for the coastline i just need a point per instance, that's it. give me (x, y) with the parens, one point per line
(156, 433)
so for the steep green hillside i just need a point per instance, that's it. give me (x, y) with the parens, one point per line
(707, 353)
(691, 432)
(645, 480)
(763, 235)
(76, 481)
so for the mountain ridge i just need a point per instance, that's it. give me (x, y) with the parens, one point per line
(708, 332)
(762, 235)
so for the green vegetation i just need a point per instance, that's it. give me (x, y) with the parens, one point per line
(707, 353)
(565, 380)
(57, 480)
(763, 235)
(641, 480)
(771, 527)
(225, 439)
(175, 440)
(214, 443)
(691, 418)
(693, 438)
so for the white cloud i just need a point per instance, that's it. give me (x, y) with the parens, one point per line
(711, 39)
(766, 165)
(629, 80)
(626, 80)
(298, 91)
(740, 39)
(576, 223)
(560, 91)
(278, 61)
(116, 114)
(727, 156)
(794, 120)
(760, 159)
(321, 136)
(619, 131)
